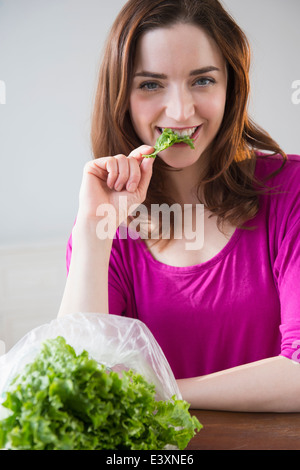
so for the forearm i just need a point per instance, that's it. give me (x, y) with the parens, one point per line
(270, 385)
(86, 288)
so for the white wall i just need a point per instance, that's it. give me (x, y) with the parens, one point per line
(49, 57)
(32, 279)
(272, 27)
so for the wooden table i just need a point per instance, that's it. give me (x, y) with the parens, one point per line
(246, 431)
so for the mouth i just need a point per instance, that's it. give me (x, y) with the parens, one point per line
(191, 132)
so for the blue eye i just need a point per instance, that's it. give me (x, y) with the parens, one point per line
(203, 82)
(149, 86)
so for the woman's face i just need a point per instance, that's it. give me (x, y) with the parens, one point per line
(179, 82)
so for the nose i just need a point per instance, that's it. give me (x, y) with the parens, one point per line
(179, 104)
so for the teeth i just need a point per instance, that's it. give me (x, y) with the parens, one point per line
(185, 132)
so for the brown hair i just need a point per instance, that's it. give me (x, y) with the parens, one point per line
(228, 189)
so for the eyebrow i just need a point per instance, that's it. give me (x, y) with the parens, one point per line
(161, 76)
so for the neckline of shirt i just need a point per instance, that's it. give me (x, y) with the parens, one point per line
(196, 267)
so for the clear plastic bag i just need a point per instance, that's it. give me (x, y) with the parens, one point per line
(119, 343)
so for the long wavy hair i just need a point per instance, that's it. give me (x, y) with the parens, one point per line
(228, 188)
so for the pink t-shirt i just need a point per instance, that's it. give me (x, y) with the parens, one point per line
(241, 306)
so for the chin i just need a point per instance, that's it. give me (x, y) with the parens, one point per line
(179, 161)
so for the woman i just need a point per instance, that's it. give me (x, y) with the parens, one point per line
(226, 314)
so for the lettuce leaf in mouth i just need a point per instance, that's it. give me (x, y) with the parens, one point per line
(64, 401)
(167, 139)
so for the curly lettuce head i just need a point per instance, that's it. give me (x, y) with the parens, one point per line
(64, 401)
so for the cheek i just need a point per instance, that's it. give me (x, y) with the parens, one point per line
(144, 110)
(143, 113)
(213, 107)
(134, 110)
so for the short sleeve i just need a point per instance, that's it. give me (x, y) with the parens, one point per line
(116, 294)
(287, 275)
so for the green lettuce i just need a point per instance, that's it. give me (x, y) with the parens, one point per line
(64, 401)
(167, 139)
